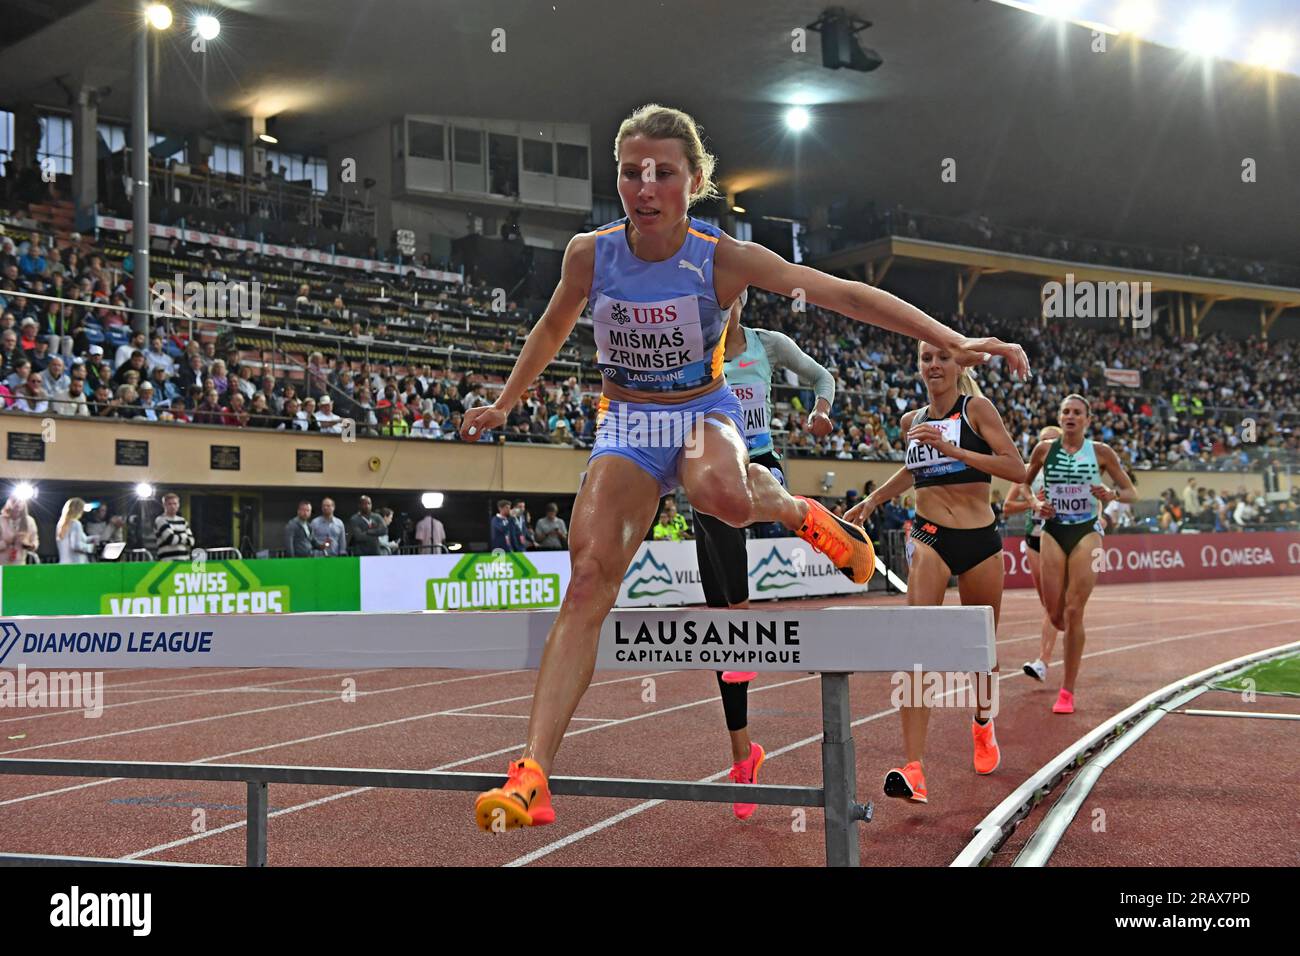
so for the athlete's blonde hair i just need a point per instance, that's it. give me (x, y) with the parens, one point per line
(73, 509)
(966, 384)
(663, 122)
(1049, 433)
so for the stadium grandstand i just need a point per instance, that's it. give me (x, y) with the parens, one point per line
(260, 260)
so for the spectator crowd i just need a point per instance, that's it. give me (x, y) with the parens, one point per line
(60, 359)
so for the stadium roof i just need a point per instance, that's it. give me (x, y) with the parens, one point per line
(1140, 143)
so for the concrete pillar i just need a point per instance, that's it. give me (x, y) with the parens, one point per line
(250, 130)
(27, 137)
(85, 157)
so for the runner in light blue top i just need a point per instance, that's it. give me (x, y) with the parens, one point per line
(671, 279)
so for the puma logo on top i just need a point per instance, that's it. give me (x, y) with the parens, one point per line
(698, 270)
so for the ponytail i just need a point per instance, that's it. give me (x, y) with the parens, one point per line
(966, 384)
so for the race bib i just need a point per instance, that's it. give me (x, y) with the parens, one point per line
(650, 341)
(753, 403)
(928, 462)
(1072, 503)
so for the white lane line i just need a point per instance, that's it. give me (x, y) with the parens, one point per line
(315, 737)
(334, 696)
(1184, 601)
(514, 748)
(201, 673)
(461, 713)
(191, 693)
(608, 822)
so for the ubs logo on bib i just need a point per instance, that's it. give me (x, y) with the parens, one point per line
(655, 315)
(619, 314)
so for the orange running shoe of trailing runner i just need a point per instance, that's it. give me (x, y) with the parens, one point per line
(988, 755)
(524, 801)
(846, 545)
(907, 783)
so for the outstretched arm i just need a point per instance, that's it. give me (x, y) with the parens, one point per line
(784, 353)
(738, 264)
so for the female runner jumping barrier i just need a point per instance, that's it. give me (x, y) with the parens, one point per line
(660, 284)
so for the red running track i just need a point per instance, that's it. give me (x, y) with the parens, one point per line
(1140, 637)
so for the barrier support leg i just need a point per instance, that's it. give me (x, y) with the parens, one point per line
(257, 806)
(839, 774)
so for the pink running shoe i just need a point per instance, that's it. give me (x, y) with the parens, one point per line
(738, 677)
(1064, 703)
(746, 771)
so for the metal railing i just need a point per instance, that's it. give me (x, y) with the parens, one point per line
(216, 554)
(990, 834)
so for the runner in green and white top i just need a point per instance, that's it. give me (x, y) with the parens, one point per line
(1021, 499)
(1072, 467)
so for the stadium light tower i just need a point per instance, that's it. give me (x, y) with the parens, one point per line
(156, 16)
(1135, 16)
(1207, 33)
(797, 118)
(1271, 51)
(207, 26)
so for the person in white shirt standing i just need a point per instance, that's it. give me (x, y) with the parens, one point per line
(430, 535)
(74, 546)
(329, 532)
(1191, 505)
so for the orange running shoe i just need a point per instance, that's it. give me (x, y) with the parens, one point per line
(847, 545)
(907, 783)
(738, 677)
(524, 801)
(1064, 703)
(988, 755)
(746, 771)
